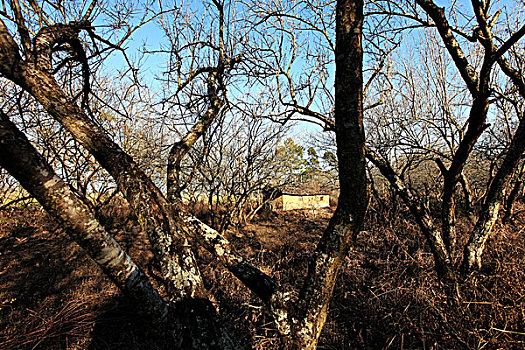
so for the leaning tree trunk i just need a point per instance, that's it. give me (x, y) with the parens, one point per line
(24, 163)
(174, 186)
(33, 76)
(479, 87)
(476, 126)
(513, 195)
(173, 255)
(442, 260)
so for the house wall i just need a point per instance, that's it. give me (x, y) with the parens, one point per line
(289, 202)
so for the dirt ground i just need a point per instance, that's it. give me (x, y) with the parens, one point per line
(53, 297)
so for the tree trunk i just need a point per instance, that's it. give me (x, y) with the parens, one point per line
(489, 213)
(442, 259)
(181, 148)
(173, 255)
(479, 87)
(309, 314)
(23, 162)
(513, 195)
(477, 117)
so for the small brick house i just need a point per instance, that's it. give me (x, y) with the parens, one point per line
(289, 201)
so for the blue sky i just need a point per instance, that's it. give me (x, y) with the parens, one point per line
(150, 36)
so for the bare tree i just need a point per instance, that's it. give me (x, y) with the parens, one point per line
(478, 78)
(242, 162)
(202, 56)
(33, 72)
(47, 40)
(442, 124)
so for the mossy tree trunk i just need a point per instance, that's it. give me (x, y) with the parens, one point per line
(172, 254)
(493, 200)
(24, 163)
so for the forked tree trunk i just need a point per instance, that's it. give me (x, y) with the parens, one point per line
(175, 262)
(493, 200)
(23, 162)
(479, 87)
(476, 125)
(173, 255)
(442, 260)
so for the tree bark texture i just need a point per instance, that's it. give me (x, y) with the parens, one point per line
(173, 254)
(142, 195)
(182, 147)
(24, 163)
(514, 194)
(476, 126)
(423, 218)
(310, 312)
(479, 87)
(493, 200)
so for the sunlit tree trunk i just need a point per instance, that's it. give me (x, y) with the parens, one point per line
(173, 256)
(493, 200)
(23, 162)
(310, 313)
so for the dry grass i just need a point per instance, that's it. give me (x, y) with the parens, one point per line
(387, 297)
(73, 320)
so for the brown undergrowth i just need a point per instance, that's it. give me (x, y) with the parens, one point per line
(387, 297)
